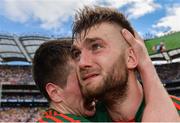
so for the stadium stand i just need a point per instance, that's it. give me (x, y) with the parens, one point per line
(169, 55)
(20, 99)
(15, 74)
(20, 114)
(14, 48)
(168, 72)
(170, 42)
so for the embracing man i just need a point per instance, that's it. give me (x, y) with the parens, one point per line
(107, 56)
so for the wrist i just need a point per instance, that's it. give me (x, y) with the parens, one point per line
(145, 65)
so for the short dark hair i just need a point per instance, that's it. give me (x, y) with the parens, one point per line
(90, 16)
(50, 64)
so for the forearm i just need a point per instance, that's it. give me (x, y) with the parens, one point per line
(159, 106)
(156, 97)
(151, 82)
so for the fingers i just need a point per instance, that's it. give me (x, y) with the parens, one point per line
(128, 37)
(137, 36)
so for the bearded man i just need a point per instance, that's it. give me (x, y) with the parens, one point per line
(107, 65)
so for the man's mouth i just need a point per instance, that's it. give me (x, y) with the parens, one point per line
(89, 76)
(90, 104)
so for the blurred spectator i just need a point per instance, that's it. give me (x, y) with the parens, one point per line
(159, 48)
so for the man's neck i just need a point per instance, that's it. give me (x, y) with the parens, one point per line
(125, 110)
(61, 108)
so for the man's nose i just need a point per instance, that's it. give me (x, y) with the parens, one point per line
(85, 60)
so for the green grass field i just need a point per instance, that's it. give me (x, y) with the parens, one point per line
(171, 41)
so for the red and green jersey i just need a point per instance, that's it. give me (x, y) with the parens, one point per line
(139, 113)
(101, 114)
(52, 115)
(176, 102)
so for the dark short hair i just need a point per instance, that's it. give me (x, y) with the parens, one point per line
(91, 16)
(50, 64)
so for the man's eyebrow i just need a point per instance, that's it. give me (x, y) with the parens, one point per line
(90, 40)
(86, 41)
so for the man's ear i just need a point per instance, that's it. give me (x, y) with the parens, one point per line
(132, 60)
(54, 92)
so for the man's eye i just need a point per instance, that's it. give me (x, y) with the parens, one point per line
(96, 46)
(75, 54)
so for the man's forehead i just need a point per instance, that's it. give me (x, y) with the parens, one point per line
(85, 41)
(87, 33)
(105, 31)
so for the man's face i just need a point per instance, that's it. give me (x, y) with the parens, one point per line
(100, 57)
(73, 96)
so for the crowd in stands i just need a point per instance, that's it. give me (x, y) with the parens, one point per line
(168, 72)
(15, 75)
(23, 98)
(21, 114)
(23, 75)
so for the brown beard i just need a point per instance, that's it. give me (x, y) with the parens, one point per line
(117, 91)
(114, 85)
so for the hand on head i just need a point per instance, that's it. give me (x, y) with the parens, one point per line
(138, 46)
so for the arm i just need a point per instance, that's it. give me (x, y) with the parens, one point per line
(159, 106)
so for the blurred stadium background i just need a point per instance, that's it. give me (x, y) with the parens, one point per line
(20, 100)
